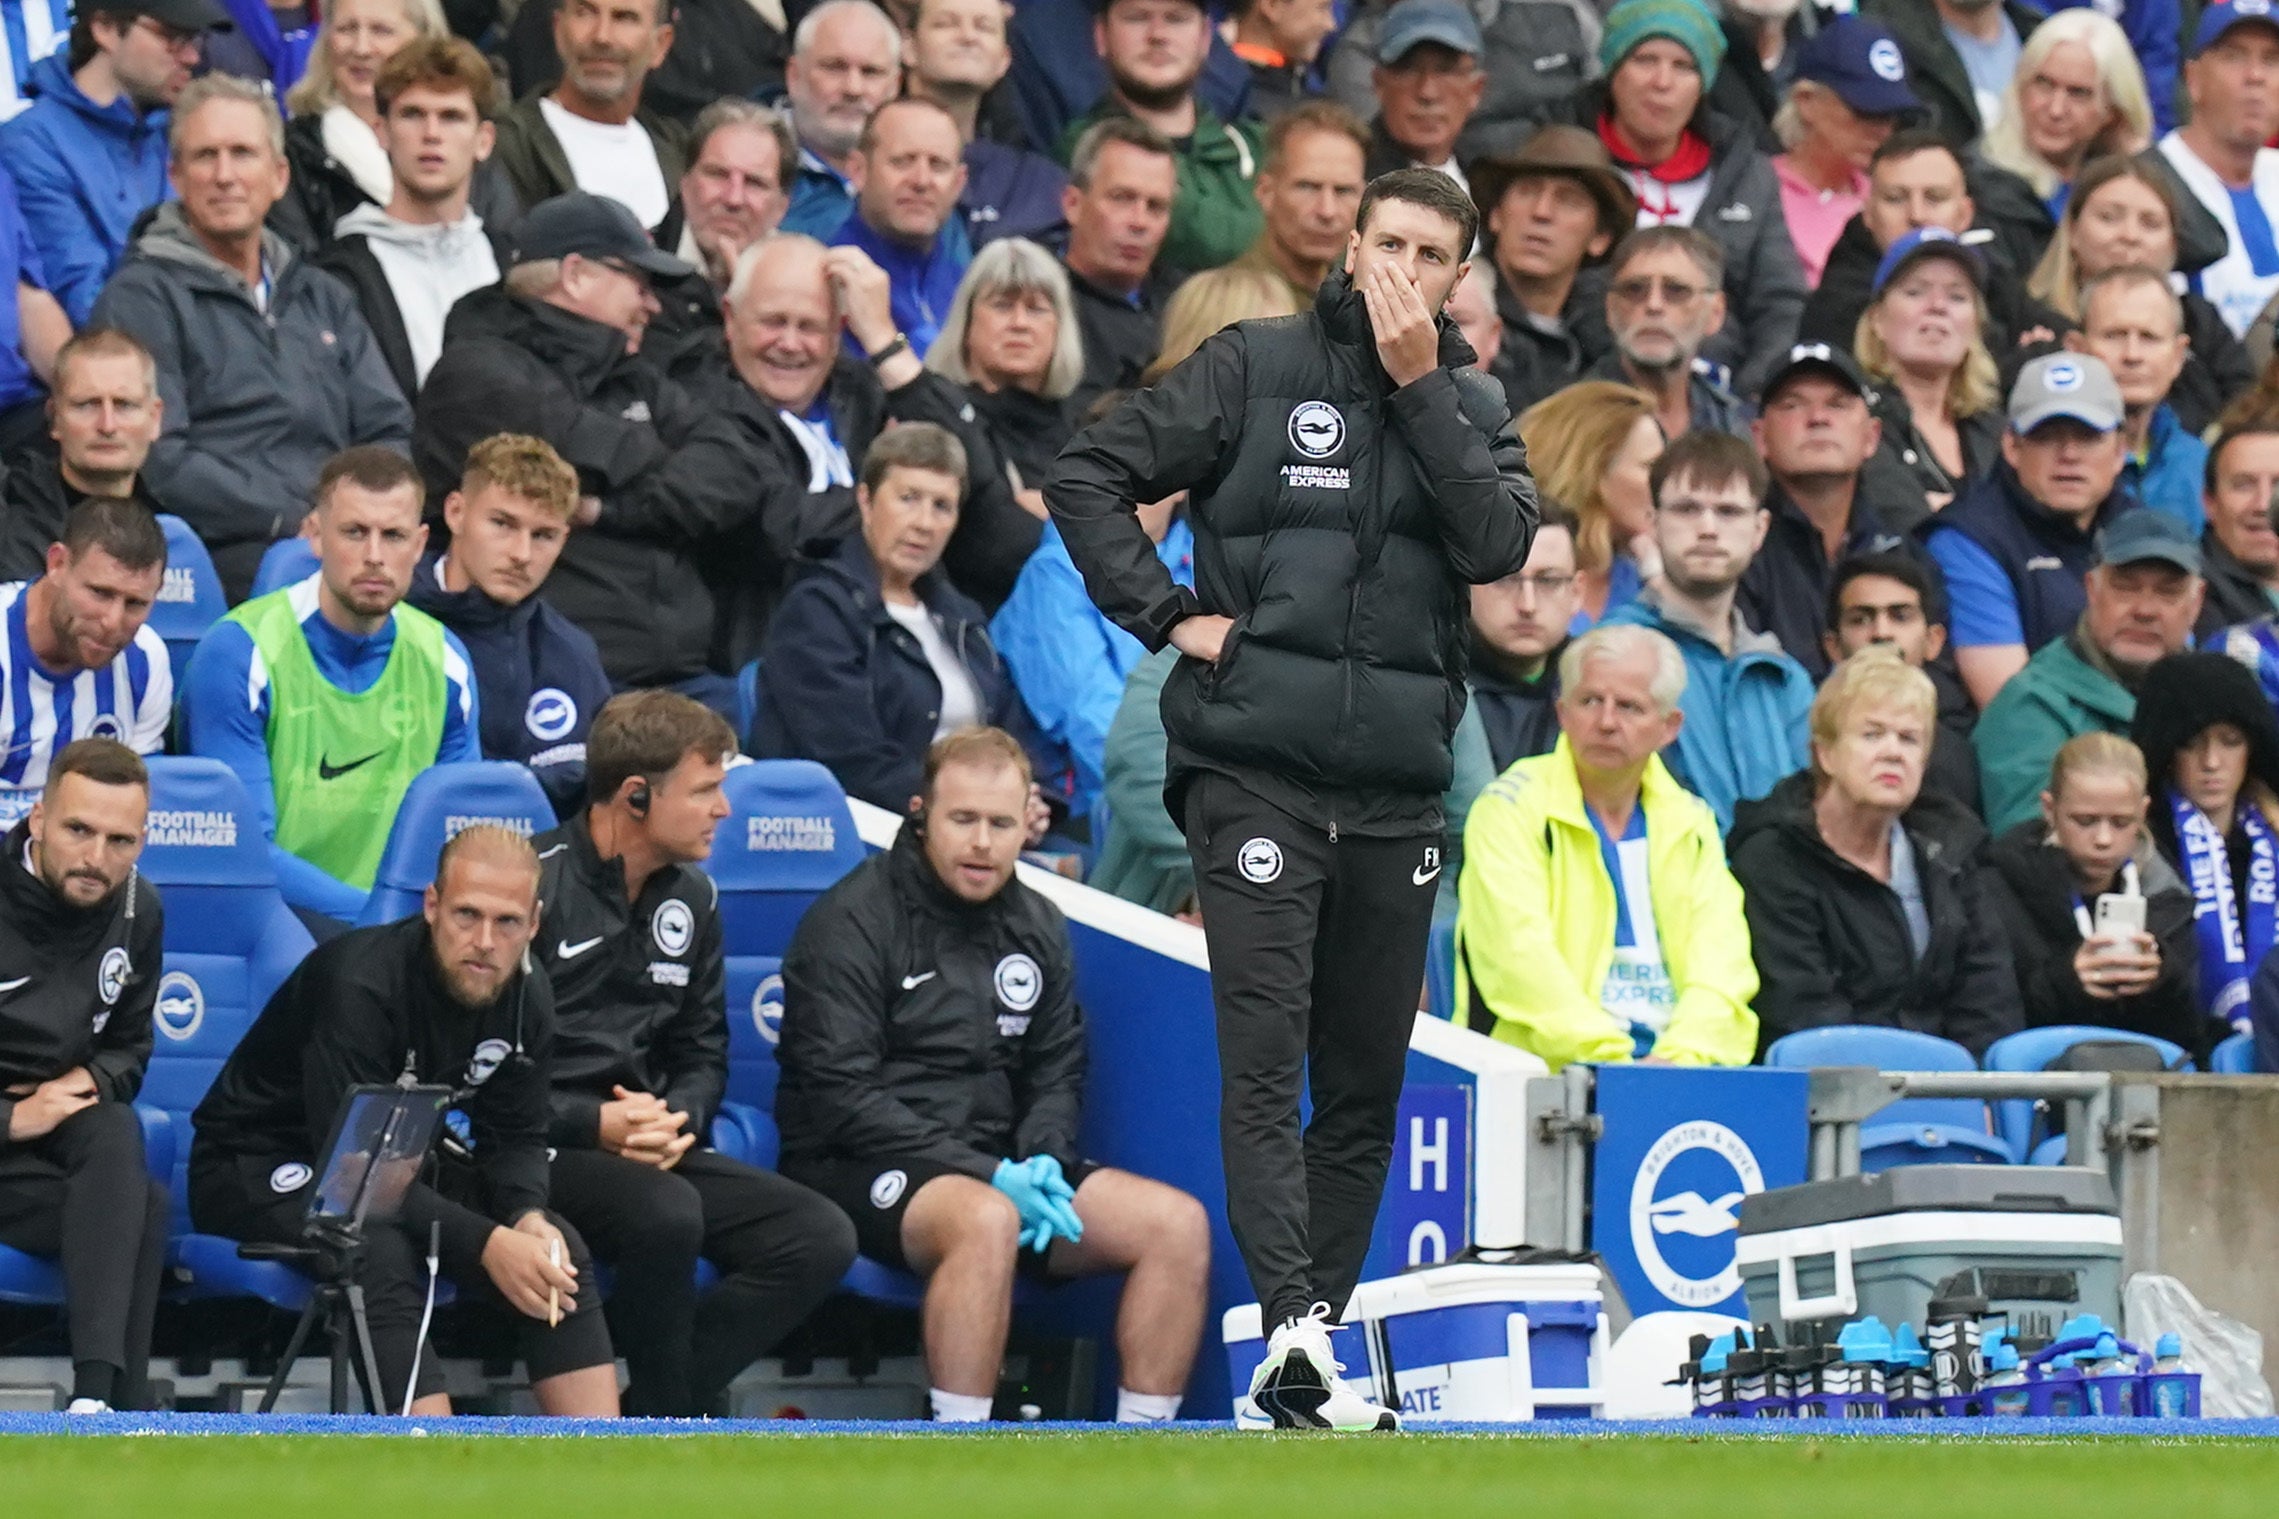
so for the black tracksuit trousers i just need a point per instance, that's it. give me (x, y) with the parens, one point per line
(780, 1249)
(1317, 959)
(80, 1193)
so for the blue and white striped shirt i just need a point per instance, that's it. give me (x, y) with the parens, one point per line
(40, 711)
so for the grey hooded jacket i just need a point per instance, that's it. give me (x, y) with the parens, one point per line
(256, 400)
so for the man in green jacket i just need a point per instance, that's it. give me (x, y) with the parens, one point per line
(1154, 51)
(2144, 595)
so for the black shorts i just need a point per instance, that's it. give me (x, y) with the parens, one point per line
(875, 1194)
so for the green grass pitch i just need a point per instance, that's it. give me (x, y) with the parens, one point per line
(1106, 1476)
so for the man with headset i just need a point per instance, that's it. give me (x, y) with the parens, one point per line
(443, 998)
(633, 950)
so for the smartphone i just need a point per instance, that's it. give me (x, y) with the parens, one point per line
(2118, 914)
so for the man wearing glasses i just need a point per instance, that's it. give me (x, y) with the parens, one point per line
(1519, 630)
(1746, 703)
(89, 154)
(552, 352)
(1665, 299)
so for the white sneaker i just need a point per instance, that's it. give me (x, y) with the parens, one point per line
(88, 1406)
(1297, 1386)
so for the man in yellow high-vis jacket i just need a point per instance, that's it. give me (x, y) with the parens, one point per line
(1598, 921)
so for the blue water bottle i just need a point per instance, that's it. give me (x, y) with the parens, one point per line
(2173, 1389)
(2112, 1380)
(2004, 1393)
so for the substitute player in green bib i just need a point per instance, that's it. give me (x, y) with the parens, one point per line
(329, 696)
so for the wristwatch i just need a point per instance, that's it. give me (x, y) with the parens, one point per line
(900, 345)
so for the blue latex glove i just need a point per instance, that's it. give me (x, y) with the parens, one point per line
(1042, 1196)
(1060, 1198)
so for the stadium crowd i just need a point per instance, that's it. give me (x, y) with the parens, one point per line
(615, 387)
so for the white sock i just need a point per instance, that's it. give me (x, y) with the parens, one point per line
(1145, 1407)
(957, 1408)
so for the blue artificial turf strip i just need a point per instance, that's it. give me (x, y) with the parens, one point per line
(98, 1425)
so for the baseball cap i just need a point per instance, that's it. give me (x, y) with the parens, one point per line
(182, 15)
(591, 226)
(1928, 242)
(1861, 62)
(1819, 358)
(2219, 19)
(2076, 385)
(1415, 22)
(2142, 535)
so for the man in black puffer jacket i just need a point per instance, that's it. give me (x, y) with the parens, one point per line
(1349, 474)
(933, 1078)
(554, 353)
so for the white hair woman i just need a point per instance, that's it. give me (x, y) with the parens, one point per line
(1864, 900)
(2078, 93)
(1011, 339)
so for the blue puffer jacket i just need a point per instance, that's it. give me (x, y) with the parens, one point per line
(844, 684)
(83, 173)
(1747, 714)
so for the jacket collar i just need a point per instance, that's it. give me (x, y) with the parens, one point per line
(1345, 319)
(1681, 626)
(473, 607)
(1563, 787)
(34, 909)
(169, 237)
(914, 873)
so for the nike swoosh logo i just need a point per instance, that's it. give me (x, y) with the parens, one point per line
(9, 986)
(328, 771)
(568, 951)
(908, 982)
(1420, 875)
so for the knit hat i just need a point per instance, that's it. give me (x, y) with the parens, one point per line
(2182, 697)
(1688, 23)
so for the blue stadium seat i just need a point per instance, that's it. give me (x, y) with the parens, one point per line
(1440, 970)
(445, 799)
(2234, 1057)
(36, 1280)
(2032, 1050)
(230, 941)
(1919, 1130)
(190, 600)
(787, 837)
(288, 562)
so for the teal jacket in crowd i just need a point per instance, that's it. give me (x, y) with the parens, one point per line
(1747, 714)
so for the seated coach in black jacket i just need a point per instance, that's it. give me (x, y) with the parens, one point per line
(539, 673)
(445, 998)
(874, 654)
(633, 949)
(80, 950)
(933, 1063)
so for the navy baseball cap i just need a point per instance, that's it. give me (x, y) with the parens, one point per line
(2219, 19)
(1920, 243)
(1412, 23)
(592, 226)
(1861, 62)
(1820, 358)
(2142, 536)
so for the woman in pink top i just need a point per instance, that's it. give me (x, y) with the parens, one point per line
(1850, 91)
